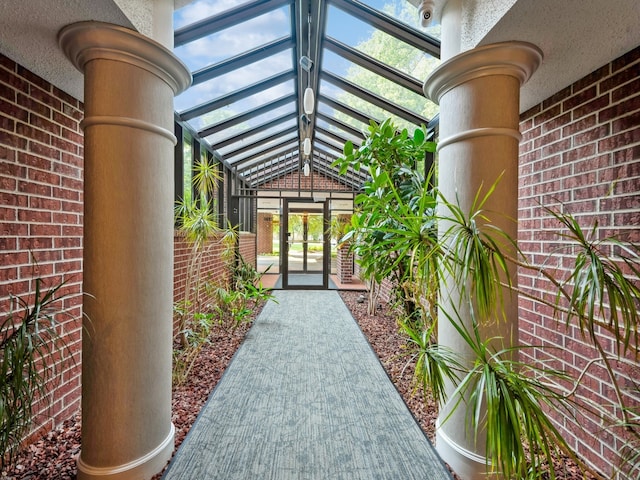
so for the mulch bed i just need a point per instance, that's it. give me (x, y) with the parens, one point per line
(54, 456)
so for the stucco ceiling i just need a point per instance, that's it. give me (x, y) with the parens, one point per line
(576, 37)
(28, 30)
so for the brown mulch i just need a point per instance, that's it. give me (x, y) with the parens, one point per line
(55, 455)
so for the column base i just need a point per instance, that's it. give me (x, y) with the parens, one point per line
(467, 464)
(141, 468)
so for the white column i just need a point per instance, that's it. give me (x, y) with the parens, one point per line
(130, 81)
(478, 92)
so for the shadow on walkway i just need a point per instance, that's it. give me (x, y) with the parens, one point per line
(305, 397)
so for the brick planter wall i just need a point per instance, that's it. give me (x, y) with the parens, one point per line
(580, 147)
(345, 265)
(41, 191)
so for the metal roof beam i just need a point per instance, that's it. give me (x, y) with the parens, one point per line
(374, 99)
(332, 135)
(236, 95)
(392, 74)
(232, 121)
(347, 110)
(254, 130)
(340, 125)
(242, 60)
(220, 21)
(393, 27)
(229, 155)
(293, 140)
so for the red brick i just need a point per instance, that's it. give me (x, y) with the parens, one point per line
(593, 106)
(33, 78)
(32, 105)
(626, 59)
(44, 151)
(45, 97)
(620, 77)
(13, 141)
(591, 135)
(33, 133)
(7, 92)
(7, 154)
(580, 98)
(620, 140)
(8, 64)
(13, 111)
(618, 110)
(626, 123)
(557, 97)
(592, 78)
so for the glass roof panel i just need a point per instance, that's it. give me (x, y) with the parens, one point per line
(244, 128)
(338, 131)
(247, 104)
(380, 45)
(354, 122)
(363, 106)
(331, 141)
(405, 12)
(248, 75)
(249, 139)
(269, 141)
(386, 89)
(218, 46)
(196, 11)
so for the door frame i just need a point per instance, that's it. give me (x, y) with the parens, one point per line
(322, 206)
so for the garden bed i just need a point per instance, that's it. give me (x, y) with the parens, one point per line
(55, 455)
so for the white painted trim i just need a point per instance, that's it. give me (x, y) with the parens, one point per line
(127, 122)
(86, 41)
(479, 132)
(142, 467)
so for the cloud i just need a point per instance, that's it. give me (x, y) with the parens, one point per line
(233, 40)
(200, 10)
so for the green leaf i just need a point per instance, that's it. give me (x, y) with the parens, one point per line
(418, 136)
(348, 148)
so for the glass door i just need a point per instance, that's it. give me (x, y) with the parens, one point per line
(305, 253)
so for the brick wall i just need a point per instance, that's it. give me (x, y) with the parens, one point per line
(264, 229)
(248, 247)
(213, 268)
(41, 209)
(295, 180)
(580, 147)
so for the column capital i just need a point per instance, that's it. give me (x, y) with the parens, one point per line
(516, 59)
(86, 41)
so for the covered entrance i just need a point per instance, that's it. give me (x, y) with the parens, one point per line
(305, 244)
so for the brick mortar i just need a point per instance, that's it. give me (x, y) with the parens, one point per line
(579, 172)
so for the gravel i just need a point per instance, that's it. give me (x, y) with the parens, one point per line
(54, 456)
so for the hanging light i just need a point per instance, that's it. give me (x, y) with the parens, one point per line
(309, 101)
(306, 169)
(306, 146)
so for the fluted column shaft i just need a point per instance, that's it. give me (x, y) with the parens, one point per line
(130, 82)
(478, 92)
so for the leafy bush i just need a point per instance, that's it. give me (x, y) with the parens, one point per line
(395, 233)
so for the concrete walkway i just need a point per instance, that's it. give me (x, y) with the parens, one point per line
(306, 398)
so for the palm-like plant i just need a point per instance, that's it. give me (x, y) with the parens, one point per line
(28, 340)
(507, 401)
(197, 223)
